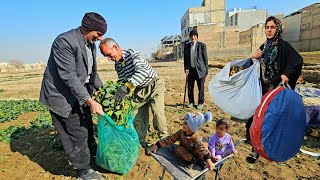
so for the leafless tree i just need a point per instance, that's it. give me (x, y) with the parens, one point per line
(16, 64)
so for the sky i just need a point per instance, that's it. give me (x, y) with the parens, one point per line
(28, 27)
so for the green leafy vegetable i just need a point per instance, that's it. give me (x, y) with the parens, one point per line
(117, 112)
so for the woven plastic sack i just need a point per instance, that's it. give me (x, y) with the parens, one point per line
(240, 94)
(279, 125)
(118, 146)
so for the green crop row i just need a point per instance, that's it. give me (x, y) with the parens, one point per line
(43, 120)
(11, 109)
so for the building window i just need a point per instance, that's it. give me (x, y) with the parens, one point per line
(236, 19)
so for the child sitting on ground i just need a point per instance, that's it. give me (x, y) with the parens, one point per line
(301, 80)
(191, 149)
(220, 143)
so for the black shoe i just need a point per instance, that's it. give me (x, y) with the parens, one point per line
(93, 149)
(247, 141)
(202, 164)
(252, 157)
(91, 175)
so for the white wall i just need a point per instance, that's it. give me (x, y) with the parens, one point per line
(247, 19)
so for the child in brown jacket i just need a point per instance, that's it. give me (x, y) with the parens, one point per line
(191, 149)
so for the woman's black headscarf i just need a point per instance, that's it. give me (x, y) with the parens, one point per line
(269, 65)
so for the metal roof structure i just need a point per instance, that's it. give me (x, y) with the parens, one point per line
(169, 39)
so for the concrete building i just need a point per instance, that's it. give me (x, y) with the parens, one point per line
(222, 41)
(302, 28)
(291, 29)
(169, 41)
(245, 19)
(211, 12)
(170, 48)
(243, 31)
(310, 28)
(253, 37)
(209, 21)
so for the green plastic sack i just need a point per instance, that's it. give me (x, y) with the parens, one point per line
(118, 146)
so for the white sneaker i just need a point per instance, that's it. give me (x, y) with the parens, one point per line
(200, 106)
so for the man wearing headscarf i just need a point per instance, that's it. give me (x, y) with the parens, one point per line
(68, 83)
(279, 62)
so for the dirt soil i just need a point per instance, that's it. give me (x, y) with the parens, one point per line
(31, 156)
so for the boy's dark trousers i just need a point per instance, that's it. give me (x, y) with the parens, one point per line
(76, 135)
(193, 76)
(182, 153)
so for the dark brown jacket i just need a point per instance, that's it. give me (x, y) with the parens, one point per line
(193, 143)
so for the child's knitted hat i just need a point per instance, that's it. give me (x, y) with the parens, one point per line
(195, 121)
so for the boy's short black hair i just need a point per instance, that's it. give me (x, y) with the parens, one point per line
(223, 121)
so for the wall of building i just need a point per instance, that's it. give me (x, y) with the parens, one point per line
(245, 37)
(259, 37)
(222, 41)
(217, 11)
(211, 12)
(310, 30)
(177, 51)
(254, 37)
(246, 19)
(236, 52)
(291, 30)
(185, 26)
(244, 31)
(218, 37)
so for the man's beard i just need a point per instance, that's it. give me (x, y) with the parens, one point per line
(92, 41)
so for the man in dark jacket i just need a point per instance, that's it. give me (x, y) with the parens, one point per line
(195, 67)
(68, 83)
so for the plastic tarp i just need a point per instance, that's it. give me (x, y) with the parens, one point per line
(311, 99)
(307, 91)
